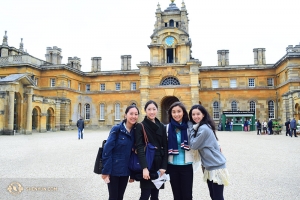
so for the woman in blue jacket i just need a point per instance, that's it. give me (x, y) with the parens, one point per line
(116, 154)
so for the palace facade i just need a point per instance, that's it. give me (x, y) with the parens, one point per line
(45, 95)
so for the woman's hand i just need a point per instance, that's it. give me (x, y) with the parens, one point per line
(105, 176)
(146, 174)
(162, 171)
(131, 180)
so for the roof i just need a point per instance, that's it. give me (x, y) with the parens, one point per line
(16, 78)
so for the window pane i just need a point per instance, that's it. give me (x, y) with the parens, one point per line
(216, 110)
(234, 106)
(87, 111)
(170, 81)
(251, 82)
(88, 87)
(233, 83)
(215, 84)
(133, 86)
(102, 113)
(102, 87)
(271, 109)
(270, 82)
(117, 86)
(117, 111)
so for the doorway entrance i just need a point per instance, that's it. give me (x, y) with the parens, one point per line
(165, 105)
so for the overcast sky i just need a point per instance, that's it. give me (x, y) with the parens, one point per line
(111, 28)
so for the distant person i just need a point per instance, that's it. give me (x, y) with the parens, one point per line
(246, 125)
(231, 125)
(80, 126)
(249, 123)
(258, 126)
(293, 126)
(270, 126)
(287, 127)
(265, 127)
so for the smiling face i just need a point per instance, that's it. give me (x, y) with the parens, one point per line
(132, 116)
(177, 114)
(197, 115)
(151, 111)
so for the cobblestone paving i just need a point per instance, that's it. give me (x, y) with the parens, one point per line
(56, 165)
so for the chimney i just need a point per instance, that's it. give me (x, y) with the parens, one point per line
(74, 62)
(53, 55)
(126, 62)
(96, 64)
(223, 57)
(259, 56)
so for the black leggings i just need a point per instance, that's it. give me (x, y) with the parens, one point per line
(215, 190)
(117, 186)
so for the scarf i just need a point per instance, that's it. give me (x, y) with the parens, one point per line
(172, 138)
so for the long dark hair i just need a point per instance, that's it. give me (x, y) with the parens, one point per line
(206, 119)
(150, 102)
(127, 110)
(185, 117)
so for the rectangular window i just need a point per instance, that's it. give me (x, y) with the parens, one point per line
(69, 84)
(270, 81)
(117, 111)
(133, 86)
(215, 83)
(87, 87)
(52, 82)
(102, 111)
(233, 83)
(118, 86)
(102, 87)
(251, 82)
(79, 85)
(36, 81)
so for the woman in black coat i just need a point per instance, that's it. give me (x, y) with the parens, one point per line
(156, 133)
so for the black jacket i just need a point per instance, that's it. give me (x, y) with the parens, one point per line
(80, 124)
(156, 133)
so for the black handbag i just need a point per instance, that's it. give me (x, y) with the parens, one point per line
(98, 163)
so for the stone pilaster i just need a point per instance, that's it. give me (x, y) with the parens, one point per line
(57, 115)
(10, 127)
(29, 114)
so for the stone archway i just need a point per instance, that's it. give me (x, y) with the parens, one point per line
(165, 105)
(36, 121)
(50, 119)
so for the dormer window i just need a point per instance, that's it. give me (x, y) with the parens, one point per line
(171, 23)
(166, 24)
(177, 24)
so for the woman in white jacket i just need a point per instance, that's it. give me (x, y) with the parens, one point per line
(203, 138)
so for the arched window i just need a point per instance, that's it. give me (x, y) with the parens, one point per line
(252, 106)
(271, 109)
(133, 104)
(87, 111)
(117, 111)
(171, 23)
(216, 110)
(234, 106)
(170, 81)
(102, 111)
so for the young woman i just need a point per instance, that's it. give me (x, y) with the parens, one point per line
(203, 137)
(258, 125)
(156, 134)
(180, 159)
(116, 154)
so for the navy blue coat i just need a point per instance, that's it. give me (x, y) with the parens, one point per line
(117, 150)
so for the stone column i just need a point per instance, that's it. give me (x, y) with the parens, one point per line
(174, 55)
(11, 112)
(166, 58)
(57, 115)
(29, 114)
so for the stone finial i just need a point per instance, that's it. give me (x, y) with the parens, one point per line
(5, 39)
(21, 45)
(172, 1)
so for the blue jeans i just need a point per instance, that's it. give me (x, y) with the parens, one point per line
(80, 135)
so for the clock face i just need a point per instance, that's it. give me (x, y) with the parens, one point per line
(169, 41)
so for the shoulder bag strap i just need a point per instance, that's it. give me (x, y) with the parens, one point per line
(145, 134)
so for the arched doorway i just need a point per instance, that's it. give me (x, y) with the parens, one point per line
(165, 105)
(50, 119)
(36, 119)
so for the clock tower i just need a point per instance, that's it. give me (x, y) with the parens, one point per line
(170, 42)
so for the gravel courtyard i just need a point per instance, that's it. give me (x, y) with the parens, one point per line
(56, 165)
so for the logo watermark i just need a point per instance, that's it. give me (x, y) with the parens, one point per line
(15, 188)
